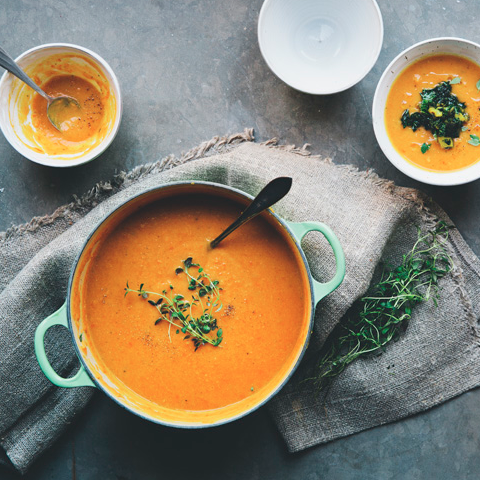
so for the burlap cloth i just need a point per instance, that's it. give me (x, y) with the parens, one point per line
(437, 358)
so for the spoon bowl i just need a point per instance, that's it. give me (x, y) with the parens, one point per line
(59, 109)
(43, 63)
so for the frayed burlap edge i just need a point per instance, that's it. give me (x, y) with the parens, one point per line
(216, 145)
(103, 190)
(419, 199)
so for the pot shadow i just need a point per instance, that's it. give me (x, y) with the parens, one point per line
(123, 446)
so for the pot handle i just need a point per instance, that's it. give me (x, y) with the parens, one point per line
(320, 289)
(81, 379)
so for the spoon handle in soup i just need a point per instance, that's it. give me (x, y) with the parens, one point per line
(8, 63)
(269, 195)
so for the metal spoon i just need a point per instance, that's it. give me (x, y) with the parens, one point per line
(55, 105)
(270, 194)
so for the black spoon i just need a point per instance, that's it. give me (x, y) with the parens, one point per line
(270, 194)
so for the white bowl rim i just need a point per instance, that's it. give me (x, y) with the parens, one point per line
(91, 155)
(457, 177)
(364, 73)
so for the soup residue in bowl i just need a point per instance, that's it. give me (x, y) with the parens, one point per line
(263, 294)
(82, 129)
(436, 148)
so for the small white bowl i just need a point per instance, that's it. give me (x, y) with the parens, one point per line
(320, 46)
(446, 45)
(10, 87)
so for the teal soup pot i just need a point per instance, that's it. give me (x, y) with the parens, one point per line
(177, 347)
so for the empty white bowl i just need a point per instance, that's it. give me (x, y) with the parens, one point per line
(11, 90)
(320, 46)
(446, 45)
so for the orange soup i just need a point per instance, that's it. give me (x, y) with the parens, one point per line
(405, 94)
(82, 129)
(77, 124)
(263, 295)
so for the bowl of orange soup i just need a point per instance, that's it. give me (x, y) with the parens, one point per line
(426, 111)
(61, 69)
(179, 333)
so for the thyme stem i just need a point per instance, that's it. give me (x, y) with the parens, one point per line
(383, 315)
(172, 308)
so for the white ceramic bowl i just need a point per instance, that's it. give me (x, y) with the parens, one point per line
(320, 46)
(448, 45)
(10, 124)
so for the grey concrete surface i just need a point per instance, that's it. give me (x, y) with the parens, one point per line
(189, 70)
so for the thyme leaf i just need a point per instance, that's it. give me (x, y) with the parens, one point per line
(425, 147)
(474, 140)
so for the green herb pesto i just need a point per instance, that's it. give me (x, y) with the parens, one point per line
(441, 112)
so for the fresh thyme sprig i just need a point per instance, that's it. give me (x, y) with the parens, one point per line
(173, 307)
(384, 314)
